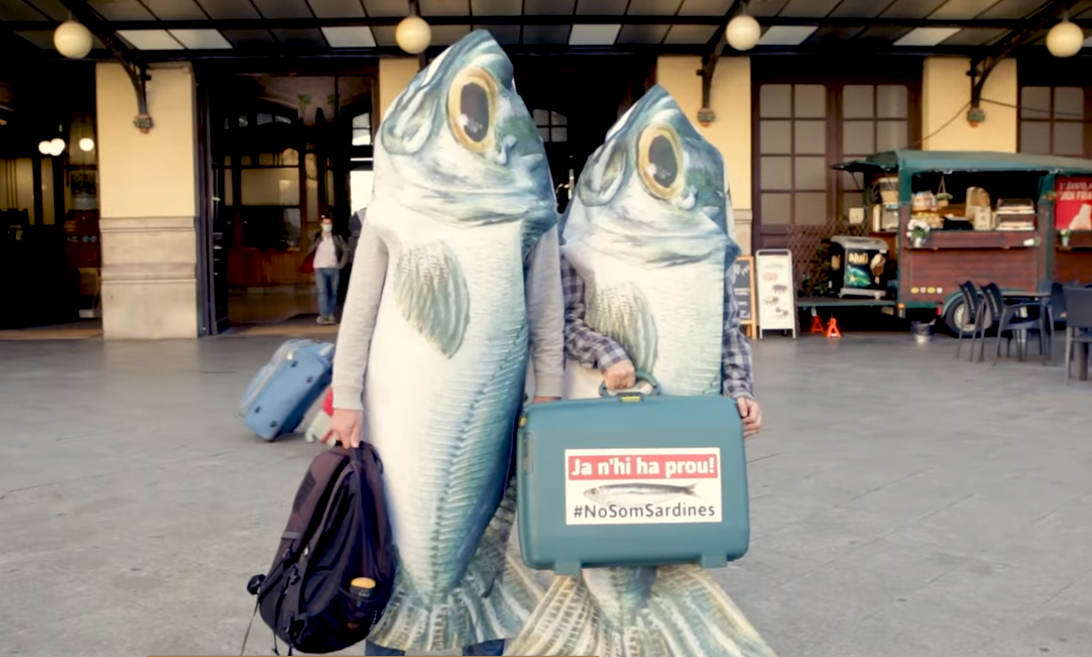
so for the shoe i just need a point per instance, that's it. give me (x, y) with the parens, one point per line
(323, 320)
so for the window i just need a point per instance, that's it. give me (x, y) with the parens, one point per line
(1052, 121)
(552, 127)
(362, 129)
(793, 147)
(875, 118)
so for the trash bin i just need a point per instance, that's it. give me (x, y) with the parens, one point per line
(922, 331)
(858, 266)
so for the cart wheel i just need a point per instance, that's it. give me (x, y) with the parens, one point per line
(957, 321)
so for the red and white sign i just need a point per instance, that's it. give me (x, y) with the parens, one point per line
(642, 486)
(1073, 206)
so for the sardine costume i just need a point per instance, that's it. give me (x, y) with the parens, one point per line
(462, 202)
(648, 233)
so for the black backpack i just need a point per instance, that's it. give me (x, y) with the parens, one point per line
(338, 532)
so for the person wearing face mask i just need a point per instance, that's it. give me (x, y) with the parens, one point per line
(330, 253)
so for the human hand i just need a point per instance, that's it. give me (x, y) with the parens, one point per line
(346, 425)
(620, 376)
(751, 414)
(543, 400)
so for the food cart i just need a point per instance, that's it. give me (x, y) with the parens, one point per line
(1021, 221)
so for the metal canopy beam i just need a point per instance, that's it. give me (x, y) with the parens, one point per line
(132, 61)
(984, 63)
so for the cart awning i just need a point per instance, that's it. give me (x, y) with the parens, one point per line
(914, 162)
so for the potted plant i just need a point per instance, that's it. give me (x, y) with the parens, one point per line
(917, 230)
(1064, 235)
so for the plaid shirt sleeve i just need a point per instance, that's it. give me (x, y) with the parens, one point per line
(590, 348)
(735, 349)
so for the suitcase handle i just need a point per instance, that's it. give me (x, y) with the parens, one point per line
(641, 377)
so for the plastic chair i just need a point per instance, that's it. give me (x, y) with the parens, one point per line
(1009, 321)
(1078, 330)
(973, 302)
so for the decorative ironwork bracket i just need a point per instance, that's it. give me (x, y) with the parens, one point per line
(982, 66)
(709, 60)
(130, 60)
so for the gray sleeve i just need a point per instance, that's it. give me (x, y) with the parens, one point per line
(546, 316)
(358, 321)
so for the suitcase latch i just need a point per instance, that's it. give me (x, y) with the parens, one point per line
(628, 397)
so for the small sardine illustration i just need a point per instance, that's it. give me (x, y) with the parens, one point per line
(627, 494)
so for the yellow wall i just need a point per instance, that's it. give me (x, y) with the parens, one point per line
(147, 201)
(394, 76)
(147, 174)
(730, 98)
(946, 92)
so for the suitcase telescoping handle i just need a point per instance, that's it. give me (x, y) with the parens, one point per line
(633, 395)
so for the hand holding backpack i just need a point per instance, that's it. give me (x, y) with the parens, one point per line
(334, 568)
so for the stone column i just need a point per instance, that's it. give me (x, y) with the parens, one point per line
(148, 205)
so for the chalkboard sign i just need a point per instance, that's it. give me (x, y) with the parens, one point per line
(744, 288)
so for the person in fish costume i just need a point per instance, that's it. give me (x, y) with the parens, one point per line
(647, 256)
(456, 287)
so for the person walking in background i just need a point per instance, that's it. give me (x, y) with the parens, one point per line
(330, 254)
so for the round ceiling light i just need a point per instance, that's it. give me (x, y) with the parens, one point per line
(743, 32)
(56, 147)
(1065, 39)
(73, 40)
(413, 35)
(44, 147)
(87, 144)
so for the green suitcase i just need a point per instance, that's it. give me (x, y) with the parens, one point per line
(632, 480)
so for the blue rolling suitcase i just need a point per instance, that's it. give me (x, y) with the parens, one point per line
(632, 480)
(282, 391)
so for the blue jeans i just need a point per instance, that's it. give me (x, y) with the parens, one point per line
(326, 280)
(487, 649)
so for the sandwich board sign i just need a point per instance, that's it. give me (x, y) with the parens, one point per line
(775, 291)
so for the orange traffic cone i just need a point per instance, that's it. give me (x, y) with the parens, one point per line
(816, 324)
(832, 329)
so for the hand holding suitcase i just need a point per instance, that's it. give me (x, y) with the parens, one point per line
(632, 480)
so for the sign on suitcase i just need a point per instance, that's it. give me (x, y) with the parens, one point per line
(642, 486)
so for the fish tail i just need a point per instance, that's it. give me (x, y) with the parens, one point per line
(682, 613)
(690, 489)
(493, 601)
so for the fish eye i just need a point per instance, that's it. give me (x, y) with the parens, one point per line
(471, 108)
(659, 160)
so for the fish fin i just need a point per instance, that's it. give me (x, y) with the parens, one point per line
(431, 292)
(684, 613)
(621, 313)
(493, 601)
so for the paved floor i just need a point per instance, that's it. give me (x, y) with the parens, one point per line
(904, 504)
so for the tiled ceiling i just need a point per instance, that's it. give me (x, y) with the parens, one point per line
(353, 26)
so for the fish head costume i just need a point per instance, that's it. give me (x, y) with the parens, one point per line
(649, 232)
(462, 193)
(654, 192)
(459, 145)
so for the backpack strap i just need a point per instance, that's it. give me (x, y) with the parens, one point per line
(242, 651)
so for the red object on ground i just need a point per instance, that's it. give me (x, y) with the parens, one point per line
(832, 329)
(816, 324)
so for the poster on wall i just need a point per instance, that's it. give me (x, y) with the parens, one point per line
(776, 296)
(743, 288)
(1073, 206)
